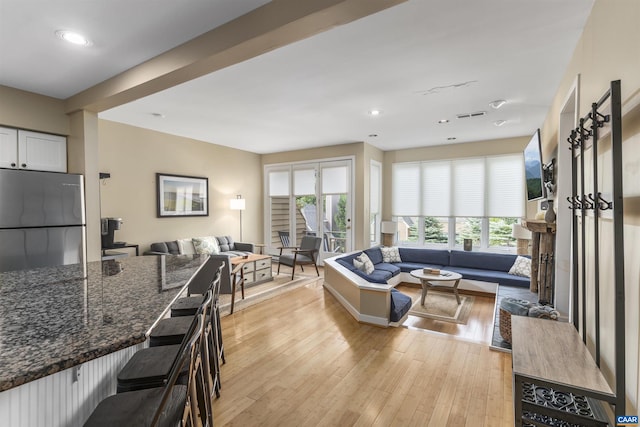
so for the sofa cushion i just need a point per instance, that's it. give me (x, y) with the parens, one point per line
(207, 245)
(425, 256)
(346, 264)
(500, 277)
(173, 247)
(408, 267)
(378, 276)
(374, 254)
(391, 268)
(521, 267)
(390, 254)
(186, 247)
(226, 243)
(363, 263)
(400, 305)
(160, 247)
(482, 260)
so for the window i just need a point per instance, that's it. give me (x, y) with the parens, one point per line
(375, 204)
(442, 203)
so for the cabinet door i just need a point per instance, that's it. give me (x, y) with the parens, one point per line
(8, 148)
(40, 151)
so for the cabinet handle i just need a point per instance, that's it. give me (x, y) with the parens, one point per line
(24, 165)
(13, 165)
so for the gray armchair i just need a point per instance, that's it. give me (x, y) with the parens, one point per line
(305, 254)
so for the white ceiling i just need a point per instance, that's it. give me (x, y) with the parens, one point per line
(417, 62)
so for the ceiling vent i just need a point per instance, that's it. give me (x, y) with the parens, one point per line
(468, 115)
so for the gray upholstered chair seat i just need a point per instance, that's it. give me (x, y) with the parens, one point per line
(305, 254)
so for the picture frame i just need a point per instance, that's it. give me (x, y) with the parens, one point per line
(181, 196)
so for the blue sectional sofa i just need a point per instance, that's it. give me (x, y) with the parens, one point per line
(371, 297)
(483, 266)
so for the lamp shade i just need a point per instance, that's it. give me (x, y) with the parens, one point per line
(388, 227)
(519, 232)
(237, 204)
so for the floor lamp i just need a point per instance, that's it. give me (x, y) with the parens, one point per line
(238, 204)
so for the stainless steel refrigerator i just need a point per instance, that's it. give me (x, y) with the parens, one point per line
(42, 219)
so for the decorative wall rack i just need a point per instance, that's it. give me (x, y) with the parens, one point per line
(589, 200)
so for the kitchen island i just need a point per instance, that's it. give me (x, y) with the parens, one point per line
(52, 319)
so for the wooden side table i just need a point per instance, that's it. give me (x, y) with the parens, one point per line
(252, 265)
(428, 281)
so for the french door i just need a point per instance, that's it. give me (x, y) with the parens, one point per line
(312, 198)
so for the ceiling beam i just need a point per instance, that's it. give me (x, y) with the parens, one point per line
(276, 24)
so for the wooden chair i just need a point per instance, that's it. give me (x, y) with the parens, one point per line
(307, 253)
(284, 239)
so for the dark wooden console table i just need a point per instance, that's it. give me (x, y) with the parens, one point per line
(554, 375)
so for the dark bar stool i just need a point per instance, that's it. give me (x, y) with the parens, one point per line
(188, 306)
(170, 405)
(151, 367)
(171, 331)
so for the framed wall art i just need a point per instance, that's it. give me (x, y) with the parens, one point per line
(179, 195)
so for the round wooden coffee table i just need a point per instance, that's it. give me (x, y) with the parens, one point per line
(441, 280)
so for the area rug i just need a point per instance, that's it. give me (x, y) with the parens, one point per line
(253, 295)
(443, 306)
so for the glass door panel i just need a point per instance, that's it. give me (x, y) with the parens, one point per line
(293, 195)
(279, 224)
(336, 207)
(306, 211)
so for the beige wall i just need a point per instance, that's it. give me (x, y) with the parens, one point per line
(133, 156)
(450, 151)
(26, 110)
(608, 50)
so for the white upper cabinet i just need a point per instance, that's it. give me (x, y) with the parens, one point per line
(8, 148)
(22, 149)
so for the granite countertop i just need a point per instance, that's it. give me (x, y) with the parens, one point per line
(52, 319)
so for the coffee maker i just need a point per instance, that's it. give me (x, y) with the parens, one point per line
(107, 228)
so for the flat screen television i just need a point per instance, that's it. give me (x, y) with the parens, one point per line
(533, 168)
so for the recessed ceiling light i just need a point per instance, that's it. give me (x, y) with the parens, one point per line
(499, 122)
(451, 138)
(443, 121)
(497, 103)
(374, 112)
(73, 37)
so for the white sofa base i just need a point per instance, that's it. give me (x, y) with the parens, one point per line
(371, 302)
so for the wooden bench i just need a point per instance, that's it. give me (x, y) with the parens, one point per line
(555, 376)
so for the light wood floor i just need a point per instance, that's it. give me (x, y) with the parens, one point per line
(479, 327)
(302, 360)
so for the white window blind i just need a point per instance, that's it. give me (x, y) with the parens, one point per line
(505, 186)
(406, 189)
(436, 188)
(374, 186)
(278, 183)
(468, 187)
(476, 187)
(334, 180)
(304, 182)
